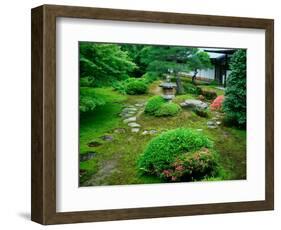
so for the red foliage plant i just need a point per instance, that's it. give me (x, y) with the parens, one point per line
(217, 103)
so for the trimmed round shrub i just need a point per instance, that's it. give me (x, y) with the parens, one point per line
(136, 87)
(153, 104)
(168, 109)
(179, 155)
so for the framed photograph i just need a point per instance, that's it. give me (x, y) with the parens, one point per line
(139, 114)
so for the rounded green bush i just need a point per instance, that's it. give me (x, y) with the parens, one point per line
(168, 109)
(136, 87)
(153, 104)
(179, 155)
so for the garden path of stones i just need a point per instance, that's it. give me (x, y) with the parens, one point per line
(130, 116)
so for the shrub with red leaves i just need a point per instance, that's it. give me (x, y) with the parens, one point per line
(217, 103)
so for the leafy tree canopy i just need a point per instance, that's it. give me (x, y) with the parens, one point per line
(104, 63)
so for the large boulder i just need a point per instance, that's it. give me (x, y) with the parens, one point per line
(193, 103)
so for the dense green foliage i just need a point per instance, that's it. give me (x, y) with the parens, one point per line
(180, 144)
(136, 87)
(104, 63)
(150, 77)
(131, 86)
(234, 104)
(168, 109)
(175, 59)
(209, 94)
(153, 104)
(89, 99)
(191, 88)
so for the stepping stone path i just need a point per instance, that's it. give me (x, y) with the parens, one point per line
(215, 121)
(130, 113)
(130, 119)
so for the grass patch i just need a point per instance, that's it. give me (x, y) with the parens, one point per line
(212, 88)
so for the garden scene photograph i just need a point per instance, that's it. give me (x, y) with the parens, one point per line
(161, 114)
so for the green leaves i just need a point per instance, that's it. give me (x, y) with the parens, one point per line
(235, 95)
(163, 150)
(104, 63)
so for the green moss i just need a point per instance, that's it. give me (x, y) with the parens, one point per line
(168, 109)
(126, 147)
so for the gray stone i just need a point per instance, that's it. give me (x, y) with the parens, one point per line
(94, 144)
(139, 104)
(218, 122)
(212, 124)
(130, 119)
(199, 130)
(209, 123)
(125, 115)
(129, 109)
(119, 130)
(134, 125)
(193, 103)
(87, 156)
(153, 131)
(107, 138)
(135, 130)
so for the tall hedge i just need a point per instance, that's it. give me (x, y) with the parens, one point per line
(235, 95)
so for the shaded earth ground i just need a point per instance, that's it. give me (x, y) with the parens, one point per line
(109, 148)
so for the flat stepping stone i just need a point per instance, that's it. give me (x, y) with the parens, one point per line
(139, 104)
(149, 132)
(87, 156)
(193, 103)
(120, 130)
(129, 109)
(135, 130)
(94, 144)
(134, 125)
(212, 124)
(107, 138)
(130, 119)
(125, 115)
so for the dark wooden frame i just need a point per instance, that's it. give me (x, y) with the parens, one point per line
(43, 207)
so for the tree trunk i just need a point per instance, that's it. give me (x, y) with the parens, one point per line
(194, 76)
(180, 89)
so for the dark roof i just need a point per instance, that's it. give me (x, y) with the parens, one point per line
(220, 51)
